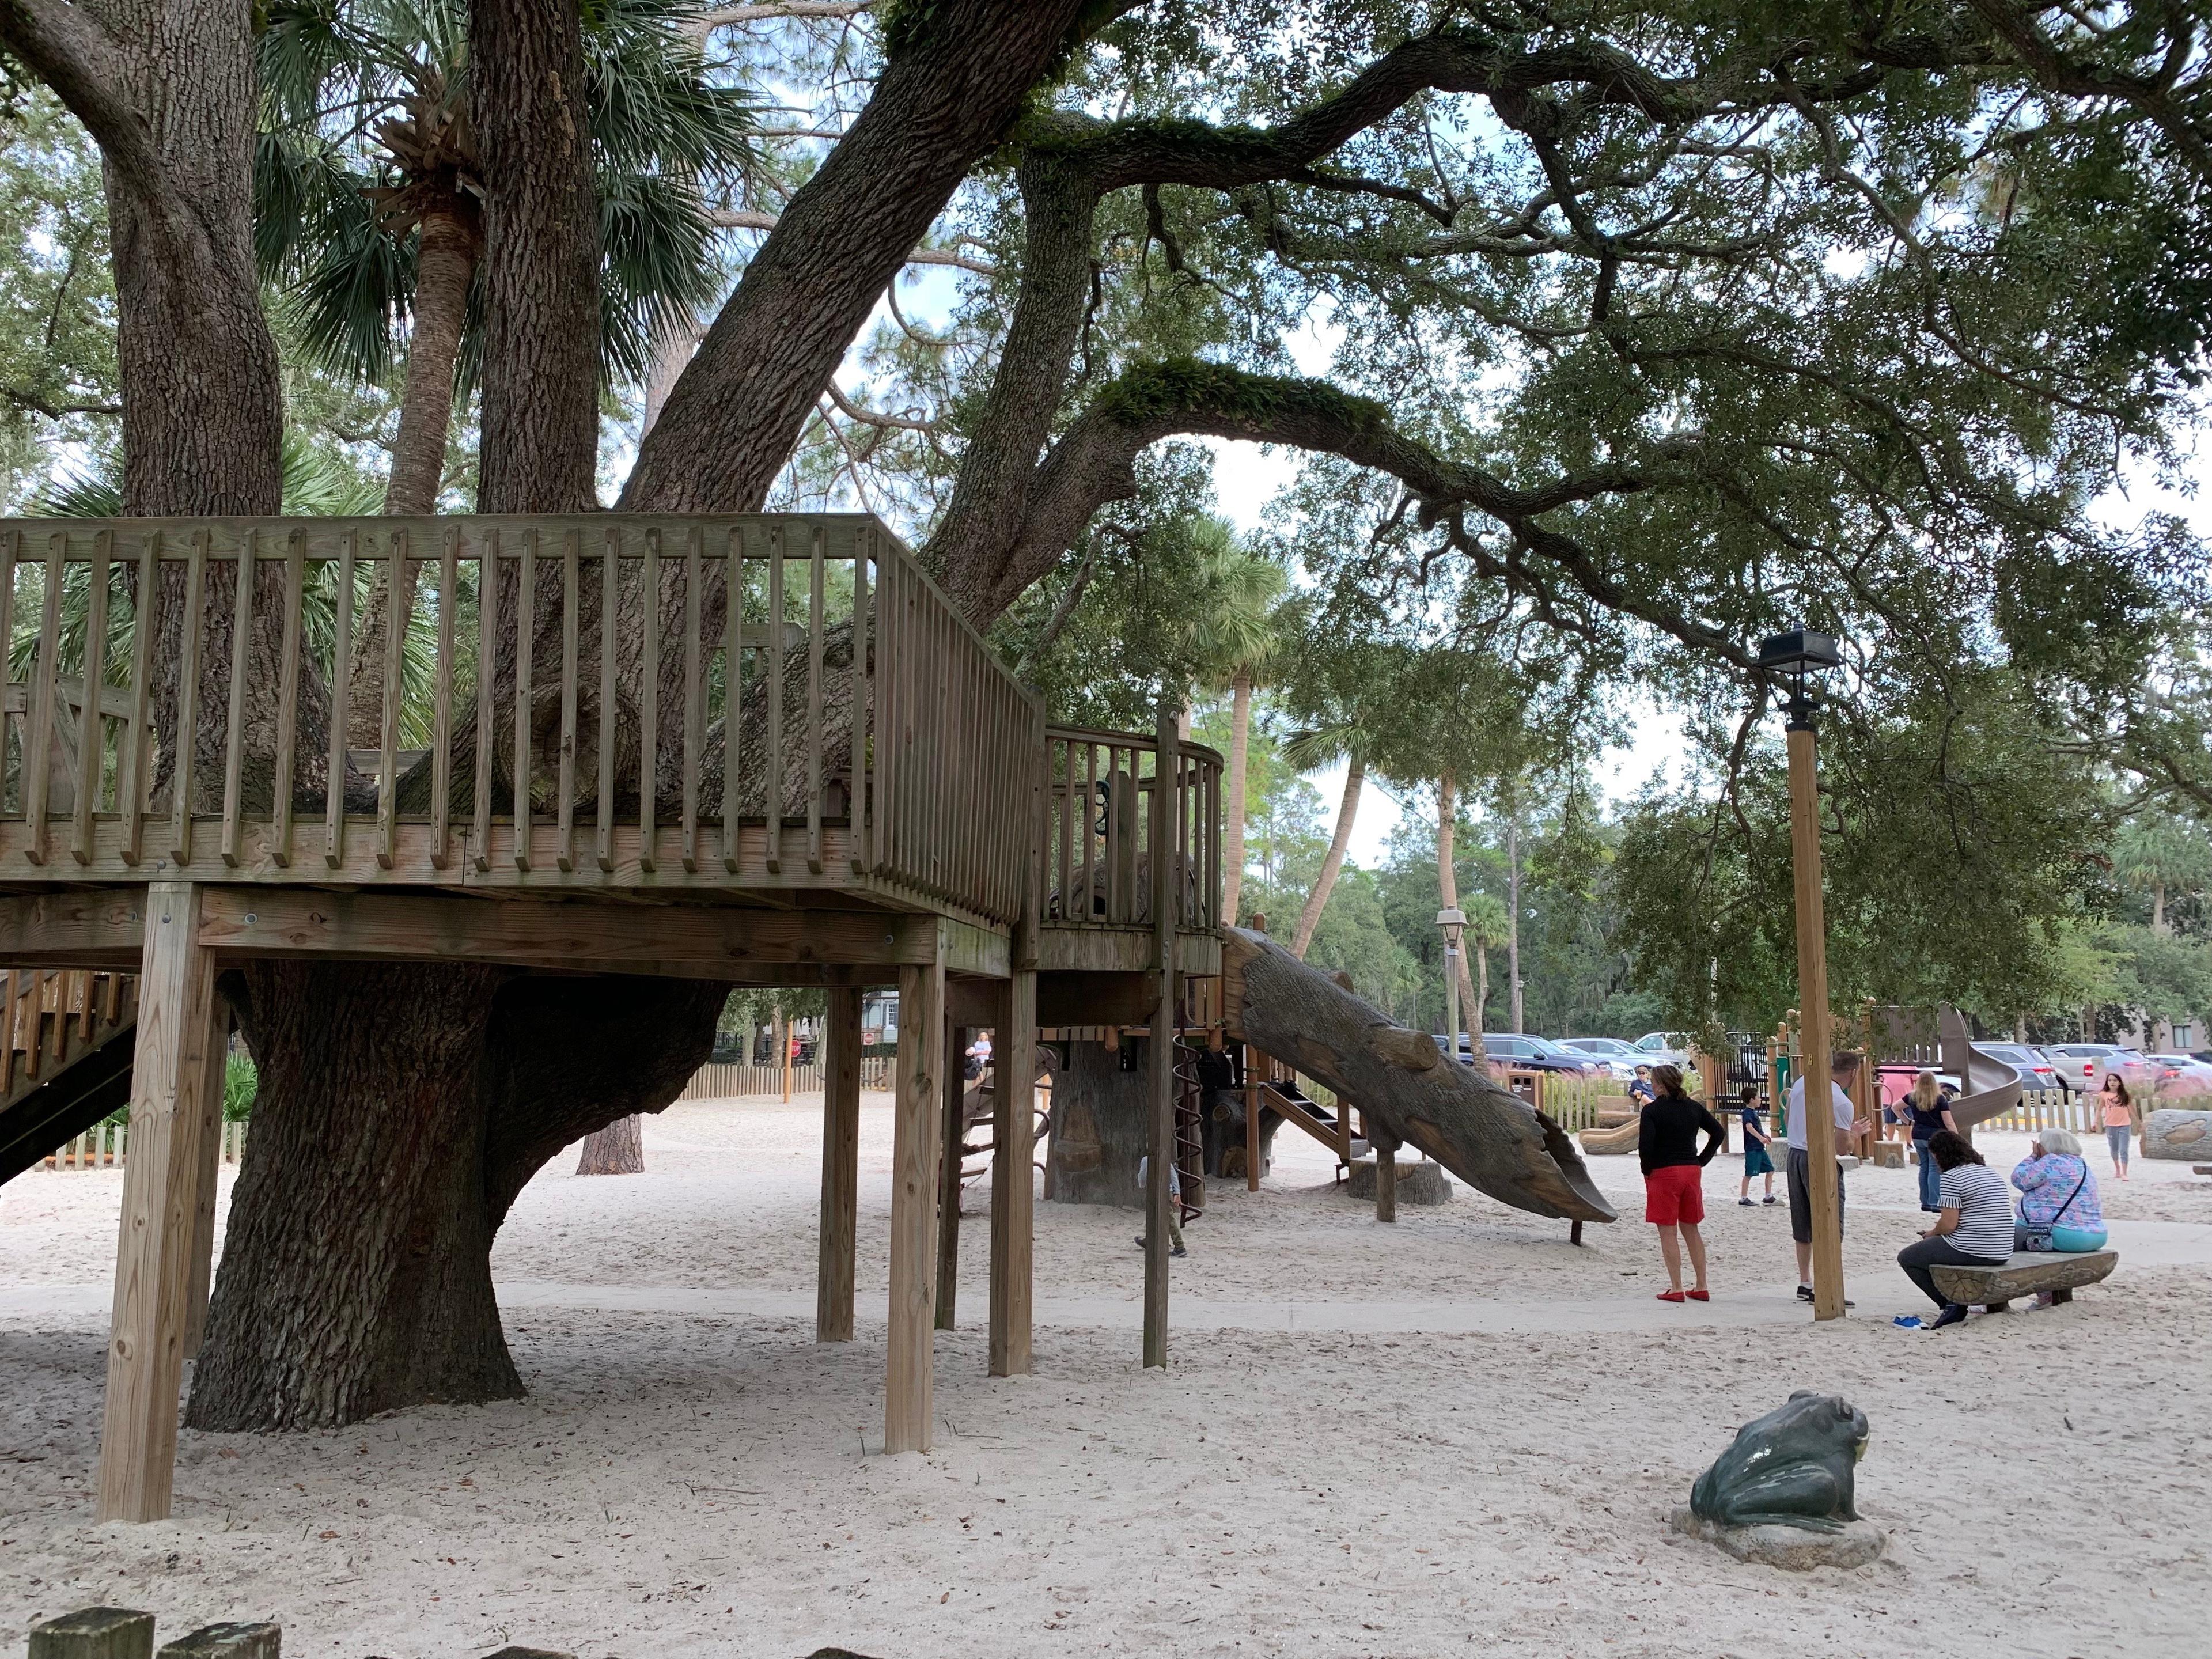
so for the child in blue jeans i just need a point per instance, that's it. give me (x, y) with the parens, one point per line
(1756, 1159)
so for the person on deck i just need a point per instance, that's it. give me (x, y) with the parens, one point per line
(1929, 1114)
(1756, 1159)
(2117, 1112)
(1973, 1228)
(1843, 1067)
(1673, 1166)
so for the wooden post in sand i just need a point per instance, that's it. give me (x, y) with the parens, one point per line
(1160, 1043)
(165, 1179)
(948, 1171)
(1386, 1173)
(916, 1116)
(1013, 1174)
(1813, 999)
(841, 1168)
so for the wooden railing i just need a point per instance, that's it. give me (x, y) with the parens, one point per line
(1098, 830)
(609, 700)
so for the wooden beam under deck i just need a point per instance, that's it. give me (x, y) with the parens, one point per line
(737, 944)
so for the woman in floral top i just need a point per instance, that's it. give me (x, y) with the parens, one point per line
(2054, 1185)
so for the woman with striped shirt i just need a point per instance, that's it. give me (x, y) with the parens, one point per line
(1973, 1225)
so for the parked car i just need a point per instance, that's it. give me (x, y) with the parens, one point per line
(2035, 1072)
(1535, 1054)
(2081, 1066)
(1662, 1048)
(1620, 1059)
(2181, 1074)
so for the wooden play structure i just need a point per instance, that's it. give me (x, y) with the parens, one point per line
(810, 772)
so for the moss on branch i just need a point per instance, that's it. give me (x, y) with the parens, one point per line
(1180, 388)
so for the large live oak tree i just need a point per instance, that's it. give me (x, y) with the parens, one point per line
(356, 1275)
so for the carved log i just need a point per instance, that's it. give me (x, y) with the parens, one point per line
(1488, 1138)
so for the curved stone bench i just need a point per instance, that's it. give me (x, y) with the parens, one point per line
(2024, 1273)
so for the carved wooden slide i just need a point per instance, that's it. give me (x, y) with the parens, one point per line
(1488, 1138)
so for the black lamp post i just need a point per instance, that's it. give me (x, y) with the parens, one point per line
(1798, 654)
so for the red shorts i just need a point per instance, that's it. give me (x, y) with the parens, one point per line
(1675, 1194)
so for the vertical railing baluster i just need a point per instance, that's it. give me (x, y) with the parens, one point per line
(11, 548)
(858, 844)
(91, 744)
(695, 708)
(334, 801)
(399, 607)
(565, 795)
(487, 689)
(288, 700)
(816, 771)
(38, 754)
(733, 684)
(649, 708)
(526, 623)
(774, 756)
(441, 735)
(610, 570)
(138, 752)
(188, 703)
(241, 662)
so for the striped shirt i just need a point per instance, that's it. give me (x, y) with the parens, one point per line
(1977, 1194)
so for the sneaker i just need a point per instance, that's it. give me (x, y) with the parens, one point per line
(1748, 1205)
(1907, 1321)
(1770, 1199)
(1953, 1314)
(1178, 1251)
(1804, 1293)
(1142, 1243)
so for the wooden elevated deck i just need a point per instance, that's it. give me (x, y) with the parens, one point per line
(761, 748)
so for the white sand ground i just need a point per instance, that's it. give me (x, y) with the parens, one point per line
(1453, 1435)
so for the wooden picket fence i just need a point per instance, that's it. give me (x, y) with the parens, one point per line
(103, 1146)
(2054, 1108)
(730, 1082)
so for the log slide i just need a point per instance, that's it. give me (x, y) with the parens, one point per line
(1489, 1139)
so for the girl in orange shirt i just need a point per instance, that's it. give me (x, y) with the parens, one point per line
(2120, 1113)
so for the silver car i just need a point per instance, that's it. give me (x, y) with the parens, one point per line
(1619, 1058)
(2082, 1067)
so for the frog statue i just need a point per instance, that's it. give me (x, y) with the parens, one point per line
(1792, 1468)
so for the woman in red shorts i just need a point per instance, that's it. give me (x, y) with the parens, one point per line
(1673, 1199)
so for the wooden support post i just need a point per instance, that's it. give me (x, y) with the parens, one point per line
(95, 1633)
(163, 1180)
(907, 1402)
(1160, 1044)
(1013, 1174)
(840, 1169)
(948, 1174)
(1386, 1175)
(1813, 999)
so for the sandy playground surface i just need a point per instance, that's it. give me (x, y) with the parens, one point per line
(1454, 1436)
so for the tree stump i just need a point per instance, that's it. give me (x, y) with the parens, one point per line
(618, 1149)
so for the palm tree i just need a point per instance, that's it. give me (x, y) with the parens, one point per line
(370, 206)
(1310, 748)
(1234, 639)
(2159, 853)
(1448, 885)
(1487, 920)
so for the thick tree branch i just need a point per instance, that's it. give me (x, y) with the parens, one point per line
(35, 404)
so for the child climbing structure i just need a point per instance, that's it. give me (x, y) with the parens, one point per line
(755, 749)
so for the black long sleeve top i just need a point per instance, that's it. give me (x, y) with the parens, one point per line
(1666, 1133)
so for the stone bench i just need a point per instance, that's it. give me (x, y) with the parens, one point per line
(2024, 1273)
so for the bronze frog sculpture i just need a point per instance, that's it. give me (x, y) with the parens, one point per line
(1793, 1467)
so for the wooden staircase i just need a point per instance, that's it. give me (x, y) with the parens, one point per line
(67, 1037)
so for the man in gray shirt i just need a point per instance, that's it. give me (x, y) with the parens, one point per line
(1843, 1067)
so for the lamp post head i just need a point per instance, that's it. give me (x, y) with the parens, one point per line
(1451, 919)
(1796, 654)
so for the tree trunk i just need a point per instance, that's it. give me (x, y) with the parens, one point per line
(387, 1148)
(1475, 1023)
(1240, 735)
(541, 372)
(2158, 907)
(1513, 911)
(1399, 1081)
(1447, 876)
(618, 1149)
(446, 263)
(1347, 809)
(1100, 1114)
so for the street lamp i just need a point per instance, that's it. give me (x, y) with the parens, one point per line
(1452, 921)
(1796, 655)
